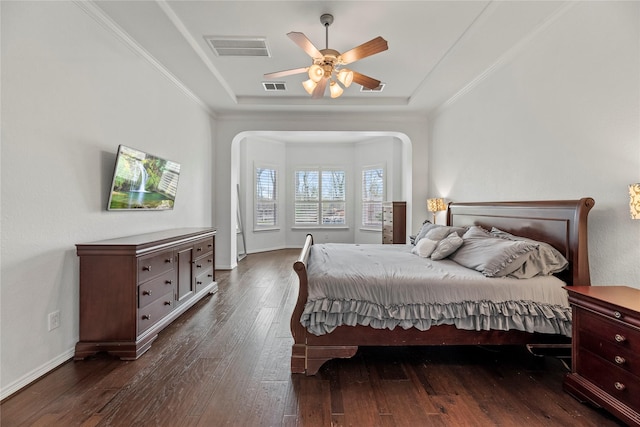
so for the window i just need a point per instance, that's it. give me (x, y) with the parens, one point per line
(319, 197)
(266, 201)
(372, 195)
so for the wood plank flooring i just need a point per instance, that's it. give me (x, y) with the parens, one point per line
(225, 362)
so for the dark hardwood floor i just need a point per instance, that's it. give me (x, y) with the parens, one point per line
(226, 362)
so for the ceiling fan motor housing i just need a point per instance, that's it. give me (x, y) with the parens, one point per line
(326, 19)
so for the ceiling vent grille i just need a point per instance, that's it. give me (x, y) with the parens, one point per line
(274, 86)
(238, 46)
(379, 88)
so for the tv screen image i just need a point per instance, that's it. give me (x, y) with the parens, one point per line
(142, 181)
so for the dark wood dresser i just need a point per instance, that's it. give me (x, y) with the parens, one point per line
(133, 287)
(606, 349)
(394, 222)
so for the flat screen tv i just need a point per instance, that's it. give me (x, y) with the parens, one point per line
(142, 181)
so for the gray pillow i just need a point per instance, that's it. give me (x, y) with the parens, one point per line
(424, 230)
(441, 231)
(544, 261)
(447, 246)
(492, 256)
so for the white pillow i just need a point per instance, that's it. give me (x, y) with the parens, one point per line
(424, 247)
(447, 246)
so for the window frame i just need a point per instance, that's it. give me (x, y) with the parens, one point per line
(363, 202)
(320, 201)
(257, 201)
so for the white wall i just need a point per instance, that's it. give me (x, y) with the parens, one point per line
(262, 152)
(560, 120)
(71, 92)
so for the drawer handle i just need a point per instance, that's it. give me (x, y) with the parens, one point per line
(167, 260)
(619, 386)
(146, 317)
(198, 265)
(146, 292)
(146, 268)
(209, 260)
(619, 360)
(198, 283)
(167, 303)
(199, 250)
(209, 275)
(169, 282)
(620, 338)
(209, 245)
(617, 314)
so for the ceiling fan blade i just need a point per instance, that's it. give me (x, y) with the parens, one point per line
(318, 92)
(369, 48)
(301, 40)
(285, 73)
(366, 81)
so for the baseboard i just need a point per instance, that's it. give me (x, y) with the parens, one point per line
(35, 374)
(275, 248)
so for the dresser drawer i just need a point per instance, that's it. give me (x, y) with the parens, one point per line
(203, 264)
(204, 279)
(202, 247)
(154, 265)
(155, 288)
(610, 331)
(154, 312)
(615, 381)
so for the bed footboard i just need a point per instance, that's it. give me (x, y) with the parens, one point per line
(304, 359)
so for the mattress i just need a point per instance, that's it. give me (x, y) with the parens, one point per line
(386, 286)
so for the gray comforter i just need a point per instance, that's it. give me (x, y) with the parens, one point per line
(384, 286)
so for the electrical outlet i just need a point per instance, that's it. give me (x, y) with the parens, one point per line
(54, 320)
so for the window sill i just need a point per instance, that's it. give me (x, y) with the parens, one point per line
(371, 230)
(320, 227)
(257, 230)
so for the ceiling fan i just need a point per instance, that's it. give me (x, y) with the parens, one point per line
(327, 64)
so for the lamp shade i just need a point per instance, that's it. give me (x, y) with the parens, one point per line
(634, 200)
(309, 86)
(345, 77)
(316, 73)
(436, 205)
(335, 89)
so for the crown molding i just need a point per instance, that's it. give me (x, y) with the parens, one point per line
(94, 11)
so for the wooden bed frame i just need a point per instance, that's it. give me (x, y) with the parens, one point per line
(562, 223)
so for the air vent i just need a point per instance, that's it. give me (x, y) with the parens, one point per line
(375, 89)
(274, 86)
(238, 46)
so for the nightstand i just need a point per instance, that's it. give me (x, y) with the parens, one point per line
(606, 349)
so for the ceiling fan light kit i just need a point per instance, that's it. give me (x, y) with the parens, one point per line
(326, 69)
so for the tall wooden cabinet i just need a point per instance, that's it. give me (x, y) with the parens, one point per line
(394, 222)
(133, 287)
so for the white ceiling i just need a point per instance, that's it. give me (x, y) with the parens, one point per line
(436, 48)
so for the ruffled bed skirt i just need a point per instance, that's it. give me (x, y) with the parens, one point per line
(322, 316)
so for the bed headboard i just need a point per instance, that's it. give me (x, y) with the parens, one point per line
(561, 223)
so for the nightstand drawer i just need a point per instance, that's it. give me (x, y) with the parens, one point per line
(609, 330)
(613, 353)
(617, 382)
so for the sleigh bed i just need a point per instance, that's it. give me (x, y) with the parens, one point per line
(561, 224)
